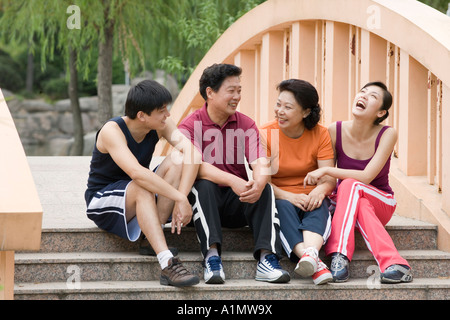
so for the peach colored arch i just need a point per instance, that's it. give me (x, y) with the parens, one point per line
(397, 18)
(402, 42)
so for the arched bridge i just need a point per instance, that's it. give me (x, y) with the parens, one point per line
(339, 46)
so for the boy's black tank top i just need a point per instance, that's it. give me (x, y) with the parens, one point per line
(103, 169)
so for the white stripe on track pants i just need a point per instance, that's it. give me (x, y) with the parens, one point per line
(368, 209)
(215, 207)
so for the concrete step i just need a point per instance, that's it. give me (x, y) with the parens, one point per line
(129, 266)
(110, 268)
(296, 289)
(407, 234)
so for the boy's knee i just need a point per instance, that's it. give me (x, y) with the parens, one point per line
(174, 170)
(138, 193)
(171, 170)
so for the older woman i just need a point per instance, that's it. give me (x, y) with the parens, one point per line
(364, 199)
(297, 144)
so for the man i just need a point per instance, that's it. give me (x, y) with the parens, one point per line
(223, 195)
(121, 193)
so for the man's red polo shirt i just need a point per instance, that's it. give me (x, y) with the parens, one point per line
(224, 147)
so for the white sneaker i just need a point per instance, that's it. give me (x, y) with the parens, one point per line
(269, 270)
(213, 271)
(307, 265)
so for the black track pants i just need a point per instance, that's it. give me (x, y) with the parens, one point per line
(215, 207)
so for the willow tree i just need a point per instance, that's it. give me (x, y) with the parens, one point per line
(44, 24)
(198, 27)
(121, 27)
(141, 32)
(85, 30)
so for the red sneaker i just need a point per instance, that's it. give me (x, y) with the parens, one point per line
(307, 265)
(322, 275)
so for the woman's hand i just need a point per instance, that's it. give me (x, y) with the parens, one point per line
(315, 200)
(313, 177)
(306, 202)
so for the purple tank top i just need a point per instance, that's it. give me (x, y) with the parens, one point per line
(381, 181)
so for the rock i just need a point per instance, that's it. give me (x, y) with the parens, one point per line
(34, 106)
(47, 128)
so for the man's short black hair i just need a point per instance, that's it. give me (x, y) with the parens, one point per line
(214, 76)
(146, 96)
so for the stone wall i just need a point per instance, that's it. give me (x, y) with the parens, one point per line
(46, 128)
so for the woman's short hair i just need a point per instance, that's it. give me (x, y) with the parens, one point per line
(306, 96)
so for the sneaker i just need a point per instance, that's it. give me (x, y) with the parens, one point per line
(269, 270)
(307, 265)
(339, 267)
(213, 270)
(322, 275)
(175, 274)
(396, 273)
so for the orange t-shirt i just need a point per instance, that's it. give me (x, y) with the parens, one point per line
(292, 159)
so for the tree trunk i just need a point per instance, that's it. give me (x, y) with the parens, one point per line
(77, 148)
(104, 76)
(30, 72)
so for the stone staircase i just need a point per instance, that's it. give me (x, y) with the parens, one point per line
(79, 261)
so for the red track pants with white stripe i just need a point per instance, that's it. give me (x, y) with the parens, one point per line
(368, 209)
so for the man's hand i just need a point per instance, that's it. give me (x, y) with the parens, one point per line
(182, 215)
(238, 185)
(252, 193)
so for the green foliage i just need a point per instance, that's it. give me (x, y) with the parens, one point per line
(174, 65)
(441, 5)
(56, 88)
(197, 29)
(169, 34)
(9, 77)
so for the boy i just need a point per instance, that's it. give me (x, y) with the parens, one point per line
(121, 193)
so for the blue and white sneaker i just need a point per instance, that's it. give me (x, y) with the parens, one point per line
(213, 270)
(339, 267)
(396, 273)
(270, 270)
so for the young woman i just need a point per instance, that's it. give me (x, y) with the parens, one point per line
(364, 198)
(302, 146)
